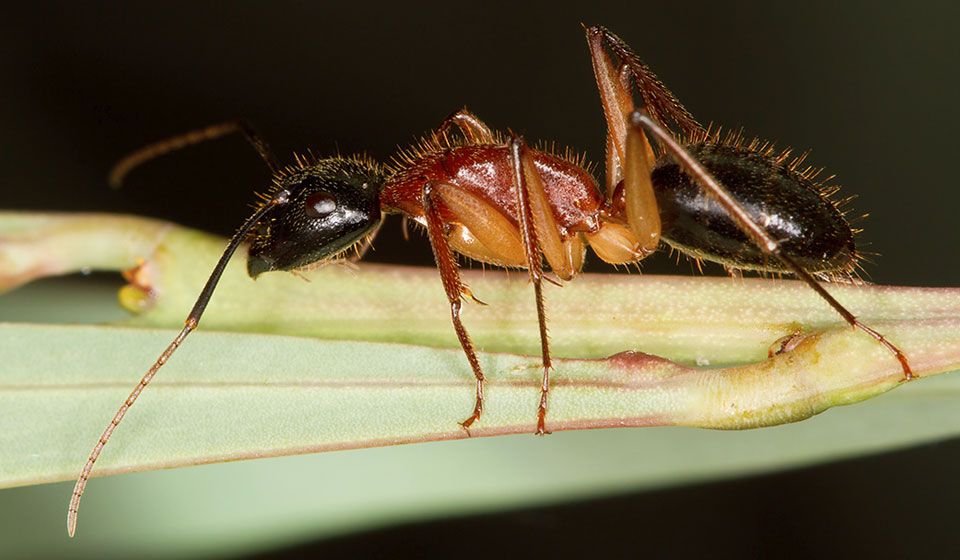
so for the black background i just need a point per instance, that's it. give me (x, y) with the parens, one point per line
(871, 88)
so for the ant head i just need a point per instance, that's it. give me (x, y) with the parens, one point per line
(321, 209)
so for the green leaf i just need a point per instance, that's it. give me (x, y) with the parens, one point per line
(235, 395)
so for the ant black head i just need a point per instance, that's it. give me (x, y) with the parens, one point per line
(326, 207)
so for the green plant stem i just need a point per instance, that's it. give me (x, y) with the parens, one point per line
(715, 321)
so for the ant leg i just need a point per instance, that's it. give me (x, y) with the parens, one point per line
(499, 241)
(157, 149)
(480, 230)
(640, 203)
(755, 231)
(617, 103)
(629, 162)
(659, 101)
(452, 285)
(614, 243)
(613, 83)
(537, 225)
(463, 241)
(618, 244)
(472, 128)
(545, 233)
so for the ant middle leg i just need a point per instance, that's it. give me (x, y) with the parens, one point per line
(473, 129)
(754, 230)
(541, 238)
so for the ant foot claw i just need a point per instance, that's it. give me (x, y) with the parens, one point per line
(542, 427)
(469, 421)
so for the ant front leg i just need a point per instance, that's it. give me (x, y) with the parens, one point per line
(754, 230)
(453, 286)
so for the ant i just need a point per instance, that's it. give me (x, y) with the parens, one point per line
(494, 199)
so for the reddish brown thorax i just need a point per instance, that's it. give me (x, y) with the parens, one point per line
(486, 170)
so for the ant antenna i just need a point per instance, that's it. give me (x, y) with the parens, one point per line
(212, 132)
(193, 319)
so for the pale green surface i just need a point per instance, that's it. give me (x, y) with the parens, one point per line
(230, 395)
(251, 505)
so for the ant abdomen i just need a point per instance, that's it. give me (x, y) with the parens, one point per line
(790, 203)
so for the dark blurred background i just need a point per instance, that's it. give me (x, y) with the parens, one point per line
(872, 88)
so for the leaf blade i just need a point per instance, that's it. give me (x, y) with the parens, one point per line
(262, 395)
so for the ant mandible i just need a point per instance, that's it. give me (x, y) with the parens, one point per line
(496, 200)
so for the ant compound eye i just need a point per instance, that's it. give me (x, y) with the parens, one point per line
(320, 204)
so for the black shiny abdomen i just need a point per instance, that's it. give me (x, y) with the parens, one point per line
(811, 229)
